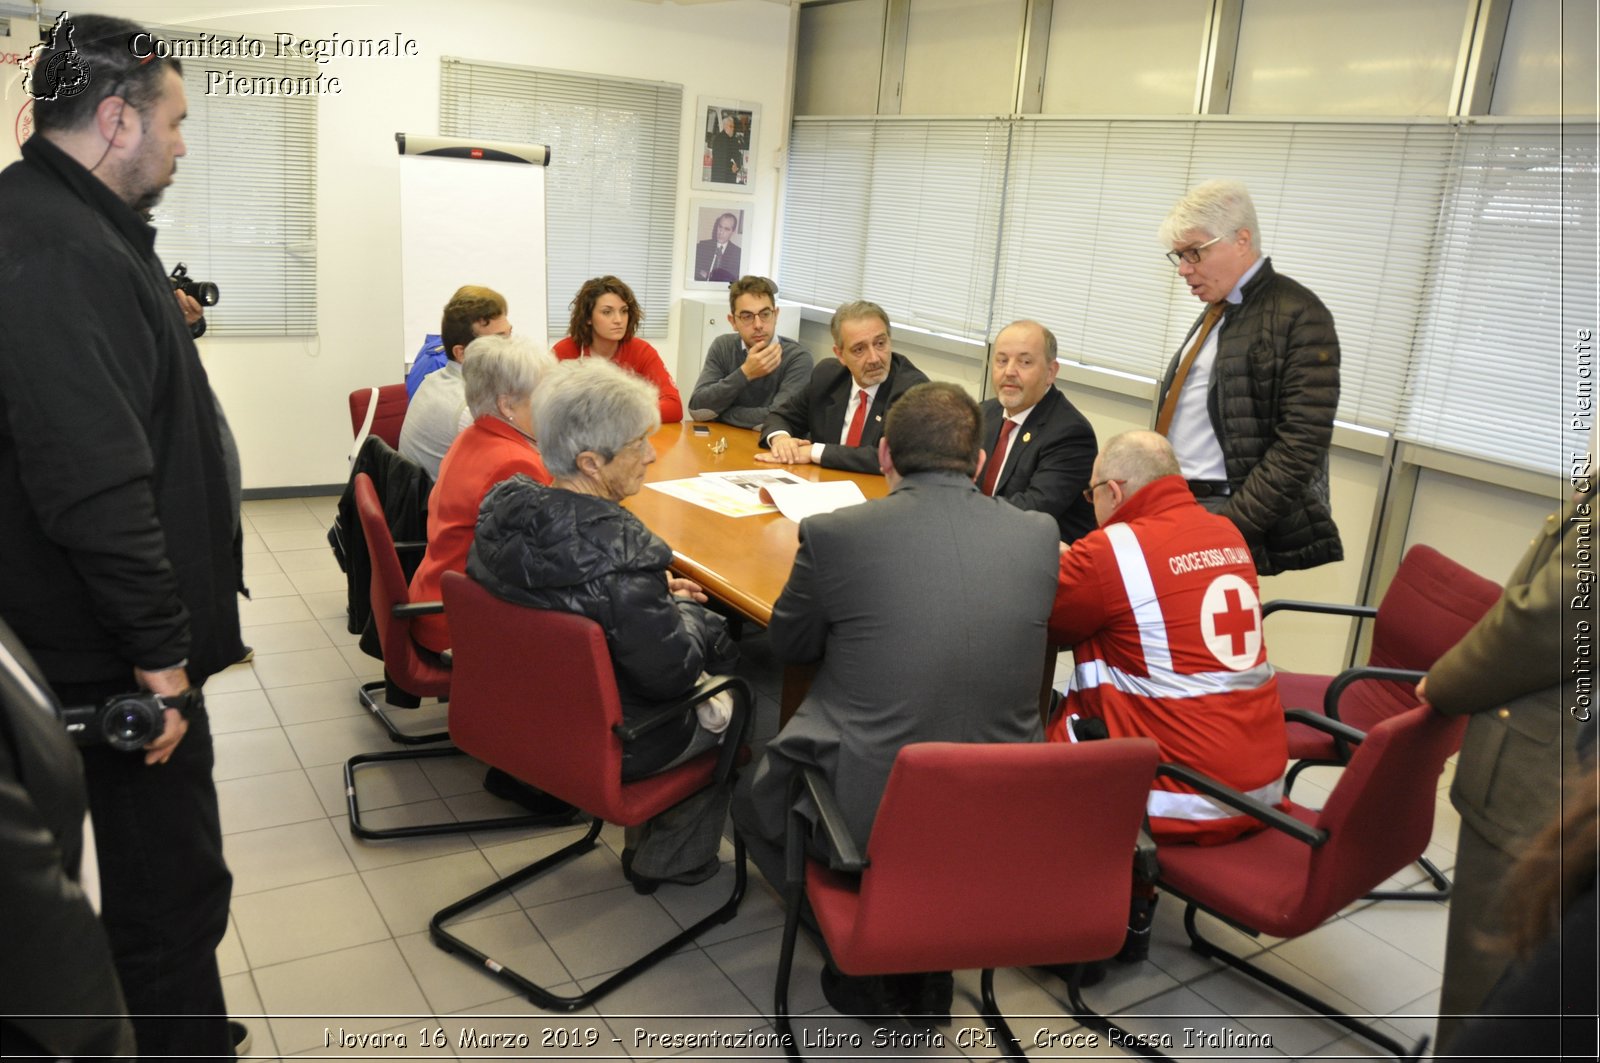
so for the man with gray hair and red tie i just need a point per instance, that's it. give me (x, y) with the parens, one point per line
(1248, 400)
(837, 418)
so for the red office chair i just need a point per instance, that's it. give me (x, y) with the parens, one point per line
(412, 668)
(1430, 604)
(969, 845)
(387, 407)
(1288, 880)
(558, 725)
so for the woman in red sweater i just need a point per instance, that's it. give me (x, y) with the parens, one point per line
(500, 374)
(604, 317)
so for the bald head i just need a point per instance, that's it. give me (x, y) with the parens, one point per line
(1129, 462)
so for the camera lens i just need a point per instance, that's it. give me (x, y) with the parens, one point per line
(206, 293)
(129, 725)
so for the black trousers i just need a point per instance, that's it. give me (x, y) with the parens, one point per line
(164, 885)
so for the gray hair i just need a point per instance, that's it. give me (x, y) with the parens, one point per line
(852, 311)
(493, 366)
(1049, 337)
(591, 404)
(1216, 208)
(1137, 458)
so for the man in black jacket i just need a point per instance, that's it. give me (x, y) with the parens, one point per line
(838, 419)
(1248, 399)
(121, 569)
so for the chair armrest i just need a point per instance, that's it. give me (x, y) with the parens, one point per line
(1350, 676)
(1275, 818)
(405, 546)
(797, 829)
(733, 739)
(411, 609)
(1327, 608)
(831, 822)
(1315, 720)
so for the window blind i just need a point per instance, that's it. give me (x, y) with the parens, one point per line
(1347, 210)
(904, 212)
(612, 183)
(242, 210)
(1512, 281)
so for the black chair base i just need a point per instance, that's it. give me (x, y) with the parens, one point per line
(371, 695)
(1439, 886)
(990, 1011)
(423, 830)
(541, 996)
(1216, 952)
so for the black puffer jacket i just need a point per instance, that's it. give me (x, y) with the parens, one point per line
(1274, 390)
(556, 549)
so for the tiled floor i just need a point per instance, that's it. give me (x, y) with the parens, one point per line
(328, 935)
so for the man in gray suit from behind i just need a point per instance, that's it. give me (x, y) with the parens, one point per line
(927, 612)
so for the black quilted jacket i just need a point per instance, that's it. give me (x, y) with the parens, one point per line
(556, 549)
(1274, 390)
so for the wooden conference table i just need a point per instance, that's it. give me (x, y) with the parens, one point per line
(744, 561)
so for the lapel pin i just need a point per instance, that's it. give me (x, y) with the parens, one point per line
(1027, 436)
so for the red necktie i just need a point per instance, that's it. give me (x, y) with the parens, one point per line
(992, 474)
(853, 437)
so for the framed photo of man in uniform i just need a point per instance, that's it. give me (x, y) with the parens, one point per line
(725, 145)
(716, 243)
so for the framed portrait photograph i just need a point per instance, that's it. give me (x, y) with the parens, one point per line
(725, 145)
(716, 243)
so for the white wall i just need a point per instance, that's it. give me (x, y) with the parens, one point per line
(287, 399)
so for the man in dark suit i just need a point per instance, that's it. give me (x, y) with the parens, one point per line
(727, 154)
(837, 420)
(905, 656)
(1041, 449)
(717, 259)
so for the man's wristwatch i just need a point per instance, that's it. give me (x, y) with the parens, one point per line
(187, 703)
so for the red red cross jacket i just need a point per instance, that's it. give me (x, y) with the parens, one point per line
(1163, 614)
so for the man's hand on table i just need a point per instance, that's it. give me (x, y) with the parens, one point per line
(787, 450)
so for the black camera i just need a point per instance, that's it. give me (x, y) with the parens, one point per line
(124, 722)
(203, 292)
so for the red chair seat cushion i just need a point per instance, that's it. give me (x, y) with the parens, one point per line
(646, 797)
(1258, 880)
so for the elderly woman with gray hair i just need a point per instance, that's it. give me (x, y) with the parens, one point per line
(571, 546)
(501, 373)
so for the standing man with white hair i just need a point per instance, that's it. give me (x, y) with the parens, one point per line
(1248, 400)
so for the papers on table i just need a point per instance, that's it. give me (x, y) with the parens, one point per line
(799, 501)
(752, 491)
